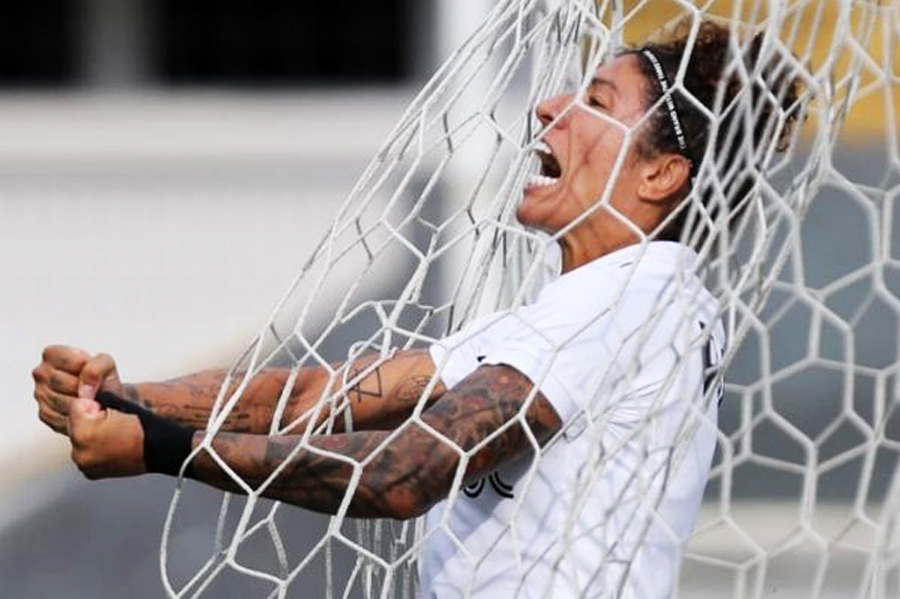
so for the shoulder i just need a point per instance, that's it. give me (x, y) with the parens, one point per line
(629, 295)
(585, 292)
(625, 281)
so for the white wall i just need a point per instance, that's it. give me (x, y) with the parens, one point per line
(160, 228)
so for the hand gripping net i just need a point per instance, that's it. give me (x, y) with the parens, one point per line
(804, 494)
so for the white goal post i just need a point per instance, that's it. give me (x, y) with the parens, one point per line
(804, 491)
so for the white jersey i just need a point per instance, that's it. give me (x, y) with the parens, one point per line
(619, 347)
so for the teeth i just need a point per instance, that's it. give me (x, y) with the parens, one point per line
(541, 181)
(540, 146)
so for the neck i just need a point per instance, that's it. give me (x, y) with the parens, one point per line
(577, 251)
(604, 233)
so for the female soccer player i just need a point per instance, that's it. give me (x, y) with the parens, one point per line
(577, 479)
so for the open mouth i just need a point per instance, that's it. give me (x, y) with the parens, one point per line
(550, 170)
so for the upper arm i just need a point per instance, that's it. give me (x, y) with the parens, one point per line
(499, 404)
(495, 409)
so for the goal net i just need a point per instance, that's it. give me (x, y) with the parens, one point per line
(803, 496)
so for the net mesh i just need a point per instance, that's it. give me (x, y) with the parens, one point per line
(803, 495)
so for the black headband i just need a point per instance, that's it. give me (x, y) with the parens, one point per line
(667, 98)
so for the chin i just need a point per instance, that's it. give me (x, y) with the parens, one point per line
(541, 208)
(522, 215)
(525, 209)
(534, 217)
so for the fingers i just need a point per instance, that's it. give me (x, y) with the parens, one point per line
(105, 442)
(56, 383)
(51, 400)
(66, 373)
(53, 390)
(98, 371)
(84, 421)
(55, 375)
(84, 418)
(83, 412)
(65, 358)
(54, 420)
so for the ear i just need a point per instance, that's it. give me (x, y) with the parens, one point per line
(663, 176)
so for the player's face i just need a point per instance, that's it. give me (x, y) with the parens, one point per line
(582, 146)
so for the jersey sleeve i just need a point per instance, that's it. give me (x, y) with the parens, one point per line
(561, 343)
(456, 356)
(560, 352)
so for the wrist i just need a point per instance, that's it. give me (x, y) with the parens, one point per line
(131, 393)
(133, 423)
(165, 445)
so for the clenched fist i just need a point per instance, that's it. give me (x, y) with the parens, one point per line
(65, 374)
(105, 443)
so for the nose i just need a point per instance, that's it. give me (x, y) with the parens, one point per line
(551, 108)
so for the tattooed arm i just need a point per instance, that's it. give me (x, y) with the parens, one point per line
(188, 400)
(379, 394)
(407, 472)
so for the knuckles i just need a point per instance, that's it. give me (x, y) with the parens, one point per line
(50, 417)
(101, 364)
(38, 374)
(70, 359)
(44, 415)
(48, 352)
(56, 353)
(99, 368)
(104, 358)
(55, 381)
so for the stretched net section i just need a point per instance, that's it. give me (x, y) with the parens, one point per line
(803, 496)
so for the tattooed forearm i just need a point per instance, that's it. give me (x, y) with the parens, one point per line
(411, 389)
(405, 476)
(368, 384)
(190, 399)
(309, 480)
(381, 394)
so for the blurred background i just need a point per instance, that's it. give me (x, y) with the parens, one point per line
(166, 167)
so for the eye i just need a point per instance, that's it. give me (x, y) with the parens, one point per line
(595, 102)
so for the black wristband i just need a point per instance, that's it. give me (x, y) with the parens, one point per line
(166, 444)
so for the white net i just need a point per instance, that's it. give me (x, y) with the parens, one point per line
(803, 494)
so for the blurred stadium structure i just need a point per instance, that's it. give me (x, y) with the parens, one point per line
(165, 168)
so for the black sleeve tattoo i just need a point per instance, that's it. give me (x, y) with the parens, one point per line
(404, 474)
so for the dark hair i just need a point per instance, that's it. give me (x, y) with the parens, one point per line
(712, 70)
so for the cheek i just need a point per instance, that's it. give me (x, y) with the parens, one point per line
(598, 162)
(594, 173)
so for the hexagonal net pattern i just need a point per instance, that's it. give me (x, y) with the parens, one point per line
(793, 230)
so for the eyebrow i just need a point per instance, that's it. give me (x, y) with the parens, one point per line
(599, 81)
